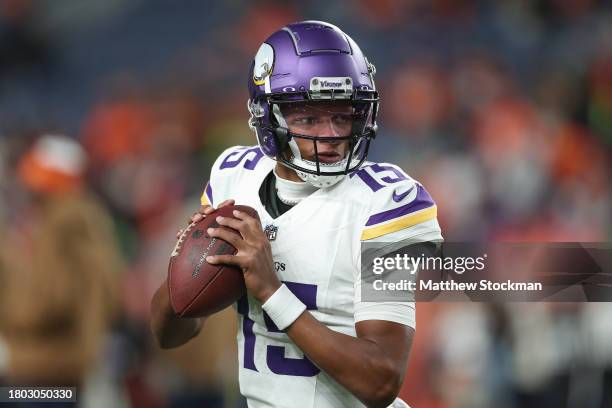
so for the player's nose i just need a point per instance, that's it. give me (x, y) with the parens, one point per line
(328, 129)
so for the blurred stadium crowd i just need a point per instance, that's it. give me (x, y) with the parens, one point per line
(502, 109)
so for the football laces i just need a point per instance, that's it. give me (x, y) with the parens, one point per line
(177, 248)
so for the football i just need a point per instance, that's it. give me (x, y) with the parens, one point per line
(196, 287)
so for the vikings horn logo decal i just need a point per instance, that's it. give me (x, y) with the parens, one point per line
(264, 62)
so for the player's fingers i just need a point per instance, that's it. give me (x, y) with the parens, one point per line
(229, 201)
(195, 217)
(228, 236)
(206, 209)
(225, 259)
(238, 225)
(250, 228)
(200, 214)
(252, 222)
(245, 217)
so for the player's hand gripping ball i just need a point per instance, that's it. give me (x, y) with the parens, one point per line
(196, 287)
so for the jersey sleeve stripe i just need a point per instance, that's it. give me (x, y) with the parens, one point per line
(421, 201)
(400, 223)
(206, 198)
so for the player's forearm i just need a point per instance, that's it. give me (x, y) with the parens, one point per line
(169, 329)
(358, 364)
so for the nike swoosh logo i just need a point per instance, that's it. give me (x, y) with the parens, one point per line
(399, 197)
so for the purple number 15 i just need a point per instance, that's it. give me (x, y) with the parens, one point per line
(275, 355)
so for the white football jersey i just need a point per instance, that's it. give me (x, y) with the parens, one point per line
(316, 250)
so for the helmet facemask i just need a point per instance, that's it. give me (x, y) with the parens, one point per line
(322, 140)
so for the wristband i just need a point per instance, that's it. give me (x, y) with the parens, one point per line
(283, 307)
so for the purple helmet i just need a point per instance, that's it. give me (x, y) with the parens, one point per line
(312, 63)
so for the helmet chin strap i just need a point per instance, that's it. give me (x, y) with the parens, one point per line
(319, 181)
(312, 179)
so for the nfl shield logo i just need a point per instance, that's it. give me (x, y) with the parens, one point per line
(271, 231)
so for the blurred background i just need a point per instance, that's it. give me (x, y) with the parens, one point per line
(111, 113)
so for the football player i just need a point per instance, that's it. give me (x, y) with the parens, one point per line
(305, 336)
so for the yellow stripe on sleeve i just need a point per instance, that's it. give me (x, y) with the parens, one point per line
(204, 199)
(401, 223)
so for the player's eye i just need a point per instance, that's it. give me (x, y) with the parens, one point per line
(342, 119)
(304, 121)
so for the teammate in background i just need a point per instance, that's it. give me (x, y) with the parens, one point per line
(305, 336)
(63, 297)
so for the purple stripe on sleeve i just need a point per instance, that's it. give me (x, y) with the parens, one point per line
(209, 193)
(423, 200)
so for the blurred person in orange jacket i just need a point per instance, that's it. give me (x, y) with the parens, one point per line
(62, 291)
